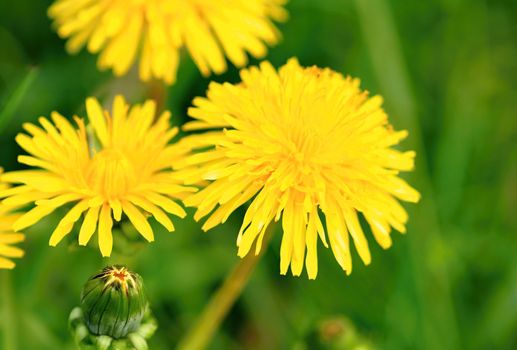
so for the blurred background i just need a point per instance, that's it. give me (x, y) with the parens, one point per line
(448, 72)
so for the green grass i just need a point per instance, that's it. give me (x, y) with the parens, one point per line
(448, 73)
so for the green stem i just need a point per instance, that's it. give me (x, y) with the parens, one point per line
(223, 300)
(438, 320)
(9, 318)
(14, 101)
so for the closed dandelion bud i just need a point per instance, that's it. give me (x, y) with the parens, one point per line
(113, 302)
(340, 333)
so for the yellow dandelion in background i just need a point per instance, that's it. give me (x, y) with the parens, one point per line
(7, 235)
(306, 145)
(124, 169)
(156, 30)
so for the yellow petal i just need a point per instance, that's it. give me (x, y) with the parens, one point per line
(11, 238)
(286, 247)
(311, 261)
(89, 225)
(105, 234)
(357, 234)
(138, 220)
(6, 264)
(67, 222)
(11, 252)
(97, 120)
(339, 242)
(167, 204)
(32, 217)
(158, 214)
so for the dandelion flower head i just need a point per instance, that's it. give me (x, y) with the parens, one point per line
(121, 167)
(7, 236)
(306, 146)
(156, 30)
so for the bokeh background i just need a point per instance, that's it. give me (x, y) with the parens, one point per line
(448, 72)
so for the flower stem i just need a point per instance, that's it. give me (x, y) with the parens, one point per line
(13, 102)
(222, 301)
(9, 321)
(440, 328)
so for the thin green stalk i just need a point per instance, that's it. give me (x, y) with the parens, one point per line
(432, 286)
(223, 300)
(9, 317)
(13, 101)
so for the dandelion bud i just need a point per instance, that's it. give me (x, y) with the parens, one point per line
(113, 302)
(339, 333)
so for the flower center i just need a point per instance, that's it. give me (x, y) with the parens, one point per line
(118, 277)
(110, 173)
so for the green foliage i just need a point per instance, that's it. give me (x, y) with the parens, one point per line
(448, 73)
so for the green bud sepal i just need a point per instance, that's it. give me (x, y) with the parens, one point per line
(136, 340)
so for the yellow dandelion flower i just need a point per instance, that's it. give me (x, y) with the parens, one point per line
(124, 169)
(7, 235)
(306, 145)
(156, 30)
